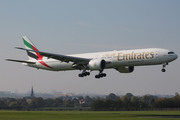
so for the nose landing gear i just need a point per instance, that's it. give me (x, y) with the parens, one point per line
(163, 69)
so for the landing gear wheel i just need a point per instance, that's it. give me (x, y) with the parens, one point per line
(84, 74)
(80, 75)
(164, 65)
(163, 70)
(104, 74)
(88, 73)
(97, 76)
(100, 75)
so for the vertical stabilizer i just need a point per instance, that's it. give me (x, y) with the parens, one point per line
(33, 55)
(29, 45)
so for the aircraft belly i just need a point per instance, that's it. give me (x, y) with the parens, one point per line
(55, 66)
(61, 66)
(134, 63)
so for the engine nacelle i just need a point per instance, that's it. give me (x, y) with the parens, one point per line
(97, 64)
(125, 69)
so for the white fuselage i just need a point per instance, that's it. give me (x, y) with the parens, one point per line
(114, 59)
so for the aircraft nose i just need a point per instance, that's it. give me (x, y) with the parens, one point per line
(175, 56)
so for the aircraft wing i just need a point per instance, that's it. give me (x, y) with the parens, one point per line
(21, 61)
(62, 58)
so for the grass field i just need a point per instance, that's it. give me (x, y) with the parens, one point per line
(87, 115)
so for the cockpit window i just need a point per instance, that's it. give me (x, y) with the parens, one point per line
(170, 52)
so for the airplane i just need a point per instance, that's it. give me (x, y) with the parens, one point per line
(123, 61)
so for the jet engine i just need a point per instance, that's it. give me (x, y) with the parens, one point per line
(97, 64)
(125, 69)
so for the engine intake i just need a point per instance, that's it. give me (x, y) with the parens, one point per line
(97, 64)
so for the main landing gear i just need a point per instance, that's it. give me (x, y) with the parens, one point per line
(84, 73)
(163, 69)
(100, 75)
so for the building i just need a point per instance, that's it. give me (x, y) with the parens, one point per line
(28, 98)
(32, 93)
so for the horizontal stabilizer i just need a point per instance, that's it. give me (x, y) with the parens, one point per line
(21, 61)
(19, 48)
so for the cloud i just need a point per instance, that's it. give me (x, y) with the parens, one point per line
(85, 24)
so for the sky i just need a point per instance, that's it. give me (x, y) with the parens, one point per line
(82, 26)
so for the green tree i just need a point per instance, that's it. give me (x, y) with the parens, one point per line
(135, 102)
(12, 100)
(129, 95)
(31, 104)
(48, 102)
(13, 104)
(176, 99)
(22, 102)
(109, 103)
(3, 103)
(148, 99)
(135, 99)
(97, 104)
(57, 102)
(118, 103)
(39, 102)
(111, 96)
(67, 102)
(125, 101)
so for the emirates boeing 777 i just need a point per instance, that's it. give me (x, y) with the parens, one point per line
(123, 61)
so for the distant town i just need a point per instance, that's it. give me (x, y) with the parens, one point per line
(58, 100)
(55, 94)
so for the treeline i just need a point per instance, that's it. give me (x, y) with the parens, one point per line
(40, 102)
(130, 101)
(111, 101)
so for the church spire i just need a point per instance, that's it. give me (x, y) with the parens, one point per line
(32, 93)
